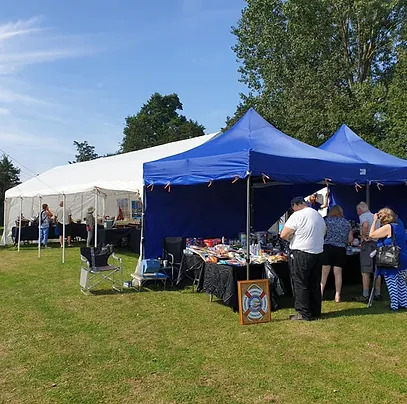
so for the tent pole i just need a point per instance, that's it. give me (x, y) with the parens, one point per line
(39, 226)
(81, 207)
(368, 195)
(63, 227)
(248, 227)
(128, 205)
(5, 221)
(19, 223)
(96, 217)
(143, 215)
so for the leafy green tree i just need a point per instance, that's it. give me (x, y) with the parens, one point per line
(312, 65)
(9, 177)
(85, 151)
(158, 122)
(396, 117)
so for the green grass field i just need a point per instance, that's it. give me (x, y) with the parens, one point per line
(154, 346)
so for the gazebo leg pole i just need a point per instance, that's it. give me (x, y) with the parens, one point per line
(96, 217)
(19, 223)
(368, 194)
(63, 227)
(248, 226)
(39, 226)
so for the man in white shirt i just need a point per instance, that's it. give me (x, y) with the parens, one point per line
(68, 219)
(306, 230)
(367, 246)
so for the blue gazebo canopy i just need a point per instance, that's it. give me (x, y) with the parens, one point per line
(254, 146)
(387, 168)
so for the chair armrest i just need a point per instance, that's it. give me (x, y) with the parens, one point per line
(84, 260)
(172, 258)
(115, 257)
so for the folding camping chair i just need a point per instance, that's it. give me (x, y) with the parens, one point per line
(173, 250)
(149, 270)
(95, 268)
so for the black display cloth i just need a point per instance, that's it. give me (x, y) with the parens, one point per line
(121, 237)
(216, 279)
(31, 232)
(221, 281)
(192, 267)
(283, 272)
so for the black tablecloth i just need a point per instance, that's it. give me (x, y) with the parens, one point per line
(192, 267)
(31, 232)
(122, 237)
(221, 280)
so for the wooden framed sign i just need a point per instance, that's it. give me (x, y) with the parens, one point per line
(254, 301)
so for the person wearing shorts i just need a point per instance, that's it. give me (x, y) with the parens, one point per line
(68, 219)
(368, 245)
(339, 234)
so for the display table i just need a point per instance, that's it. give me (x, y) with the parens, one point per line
(221, 280)
(30, 233)
(121, 237)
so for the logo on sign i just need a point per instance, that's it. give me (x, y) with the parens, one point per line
(255, 304)
(362, 171)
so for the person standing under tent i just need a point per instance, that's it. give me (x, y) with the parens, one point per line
(339, 234)
(368, 245)
(90, 225)
(68, 219)
(314, 204)
(306, 231)
(395, 278)
(45, 218)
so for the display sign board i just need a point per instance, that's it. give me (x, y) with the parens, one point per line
(254, 301)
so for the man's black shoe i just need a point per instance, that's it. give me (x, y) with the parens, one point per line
(298, 317)
(377, 297)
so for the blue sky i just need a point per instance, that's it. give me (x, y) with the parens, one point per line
(73, 70)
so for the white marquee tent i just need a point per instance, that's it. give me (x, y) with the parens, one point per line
(104, 180)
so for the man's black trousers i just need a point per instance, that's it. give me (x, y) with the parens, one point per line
(305, 271)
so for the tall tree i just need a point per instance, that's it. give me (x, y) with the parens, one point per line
(312, 65)
(86, 152)
(396, 117)
(158, 122)
(9, 177)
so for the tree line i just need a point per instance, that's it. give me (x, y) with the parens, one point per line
(308, 66)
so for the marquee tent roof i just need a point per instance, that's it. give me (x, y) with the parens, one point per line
(123, 172)
(347, 143)
(253, 145)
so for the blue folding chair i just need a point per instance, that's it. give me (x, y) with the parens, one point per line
(149, 270)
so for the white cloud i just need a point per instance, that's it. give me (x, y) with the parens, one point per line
(39, 114)
(19, 28)
(26, 42)
(33, 142)
(9, 96)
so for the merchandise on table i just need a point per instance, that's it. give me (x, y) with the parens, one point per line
(213, 251)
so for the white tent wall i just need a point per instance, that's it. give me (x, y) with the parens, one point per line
(116, 177)
(78, 203)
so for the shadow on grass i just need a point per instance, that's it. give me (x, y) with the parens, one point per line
(359, 311)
